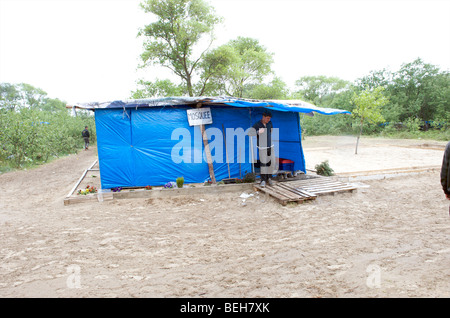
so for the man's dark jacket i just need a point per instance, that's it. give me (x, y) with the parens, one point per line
(85, 133)
(445, 170)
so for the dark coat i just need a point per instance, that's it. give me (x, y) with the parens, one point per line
(445, 170)
(267, 135)
(85, 133)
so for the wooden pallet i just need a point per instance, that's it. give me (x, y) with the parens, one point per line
(323, 185)
(302, 190)
(284, 193)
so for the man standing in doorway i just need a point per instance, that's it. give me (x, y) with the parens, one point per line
(263, 130)
(445, 173)
(85, 135)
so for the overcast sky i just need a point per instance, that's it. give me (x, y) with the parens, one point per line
(88, 50)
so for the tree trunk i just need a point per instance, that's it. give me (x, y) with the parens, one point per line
(357, 142)
(359, 136)
(189, 85)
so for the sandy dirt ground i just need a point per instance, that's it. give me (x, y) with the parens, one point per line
(390, 238)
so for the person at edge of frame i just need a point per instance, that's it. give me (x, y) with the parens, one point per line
(445, 173)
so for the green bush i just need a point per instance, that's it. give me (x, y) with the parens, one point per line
(249, 178)
(324, 169)
(30, 136)
(180, 182)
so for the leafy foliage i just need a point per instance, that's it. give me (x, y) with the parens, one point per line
(321, 89)
(417, 96)
(37, 132)
(249, 178)
(368, 105)
(180, 40)
(170, 40)
(368, 108)
(247, 62)
(180, 182)
(158, 88)
(324, 169)
(276, 89)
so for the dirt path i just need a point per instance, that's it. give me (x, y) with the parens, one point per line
(389, 239)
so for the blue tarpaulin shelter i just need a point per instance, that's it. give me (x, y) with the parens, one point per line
(151, 141)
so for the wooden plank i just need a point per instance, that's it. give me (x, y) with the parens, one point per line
(293, 190)
(318, 181)
(326, 187)
(274, 195)
(276, 192)
(80, 199)
(81, 179)
(305, 194)
(310, 182)
(285, 195)
(92, 165)
(283, 191)
(309, 195)
(331, 190)
(335, 191)
(76, 185)
(304, 185)
(298, 192)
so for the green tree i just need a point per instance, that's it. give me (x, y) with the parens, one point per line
(254, 64)
(35, 128)
(276, 89)
(33, 97)
(417, 91)
(10, 96)
(240, 62)
(53, 105)
(440, 97)
(217, 66)
(375, 79)
(171, 40)
(17, 96)
(422, 89)
(158, 88)
(320, 90)
(368, 105)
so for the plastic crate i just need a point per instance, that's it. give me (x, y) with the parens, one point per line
(286, 164)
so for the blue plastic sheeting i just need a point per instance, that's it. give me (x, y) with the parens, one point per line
(277, 105)
(113, 130)
(153, 146)
(283, 106)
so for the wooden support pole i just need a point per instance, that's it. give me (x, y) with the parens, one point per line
(208, 154)
(207, 151)
(226, 151)
(251, 151)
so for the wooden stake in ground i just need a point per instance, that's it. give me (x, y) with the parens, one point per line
(208, 154)
(226, 151)
(207, 151)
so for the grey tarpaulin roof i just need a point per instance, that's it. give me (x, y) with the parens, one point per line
(277, 105)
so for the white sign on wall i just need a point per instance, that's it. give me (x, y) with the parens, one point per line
(199, 116)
